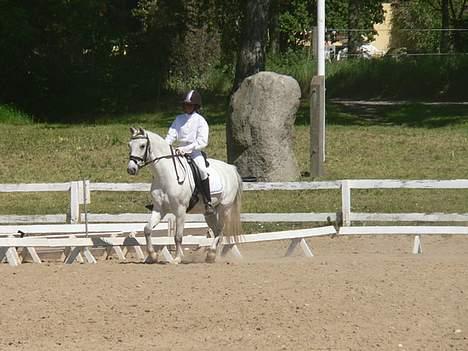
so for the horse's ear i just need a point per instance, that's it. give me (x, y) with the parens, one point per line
(141, 131)
(133, 131)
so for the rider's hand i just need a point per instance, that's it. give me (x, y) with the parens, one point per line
(180, 151)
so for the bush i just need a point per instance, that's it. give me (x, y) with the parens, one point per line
(11, 115)
(439, 78)
(298, 64)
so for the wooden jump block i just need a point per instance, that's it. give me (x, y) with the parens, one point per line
(299, 242)
(137, 248)
(231, 249)
(119, 252)
(417, 249)
(166, 255)
(77, 253)
(81, 255)
(10, 255)
(29, 253)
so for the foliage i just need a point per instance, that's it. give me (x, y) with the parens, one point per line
(57, 56)
(298, 17)
(424, 15)
(67, 59)
(415, 14)
(11, 115)
(440, 78)
(296, 21)
(296, 63)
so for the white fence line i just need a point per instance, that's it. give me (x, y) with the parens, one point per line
(348, 216)
(15, 250)
(345, 215)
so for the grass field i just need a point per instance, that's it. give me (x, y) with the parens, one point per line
(410, 141)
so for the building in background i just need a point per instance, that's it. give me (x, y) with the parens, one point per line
(384, 30)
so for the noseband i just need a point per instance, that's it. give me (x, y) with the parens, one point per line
(143, 161)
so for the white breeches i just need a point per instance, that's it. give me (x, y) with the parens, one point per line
(200, 161)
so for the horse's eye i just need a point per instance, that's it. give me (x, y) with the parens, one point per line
(142, 146)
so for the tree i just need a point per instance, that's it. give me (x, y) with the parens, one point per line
(59, 53)
(251, 56)
(444, 35)
(427, 15)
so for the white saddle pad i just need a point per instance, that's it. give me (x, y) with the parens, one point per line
(216, 186)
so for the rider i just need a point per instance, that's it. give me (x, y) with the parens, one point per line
(191, 131)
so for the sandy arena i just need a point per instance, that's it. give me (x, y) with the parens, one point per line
(359, 293)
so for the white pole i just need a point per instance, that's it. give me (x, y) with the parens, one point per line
(321, 62)
(321, 37)
(85, 200)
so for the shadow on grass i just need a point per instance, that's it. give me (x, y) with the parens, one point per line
(360, 113)
(163, 112)
(419, 115)
(160, 114)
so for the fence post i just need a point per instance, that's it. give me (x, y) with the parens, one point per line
(74, 202)
(317, 125)
(346, 203)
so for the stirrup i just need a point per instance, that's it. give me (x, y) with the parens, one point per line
(209, 209)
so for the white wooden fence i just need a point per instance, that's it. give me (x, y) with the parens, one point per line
(15, 250)
(349, 216)
(80, 194)
(80, 190)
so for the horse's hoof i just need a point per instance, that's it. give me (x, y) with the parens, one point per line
(176, 260)
(211, 256)
(151, 258)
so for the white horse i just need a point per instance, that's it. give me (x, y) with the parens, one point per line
(172, 188)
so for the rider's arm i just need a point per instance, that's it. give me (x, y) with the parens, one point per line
(172, 134)
(201, 139)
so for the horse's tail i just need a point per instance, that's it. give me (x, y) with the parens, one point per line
(232, 224)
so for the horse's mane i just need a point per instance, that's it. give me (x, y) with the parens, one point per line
(152, 135)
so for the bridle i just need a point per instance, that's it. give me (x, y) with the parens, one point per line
(143, 161)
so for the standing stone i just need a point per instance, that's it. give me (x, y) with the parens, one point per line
(261, 127)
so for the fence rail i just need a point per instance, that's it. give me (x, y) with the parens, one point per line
(79, 191)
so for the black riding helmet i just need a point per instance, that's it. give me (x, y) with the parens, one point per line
(194, 98)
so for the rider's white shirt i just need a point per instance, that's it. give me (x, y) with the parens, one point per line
(190, 131)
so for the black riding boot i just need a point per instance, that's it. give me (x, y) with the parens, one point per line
(209, 210)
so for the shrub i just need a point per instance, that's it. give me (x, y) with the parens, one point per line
(11, 115)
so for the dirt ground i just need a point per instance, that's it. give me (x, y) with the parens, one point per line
(356, 293)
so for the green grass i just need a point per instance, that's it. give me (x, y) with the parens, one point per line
(412, 141)
(12, 115)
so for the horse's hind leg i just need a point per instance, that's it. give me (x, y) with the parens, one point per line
(153, 222)
(216, 223)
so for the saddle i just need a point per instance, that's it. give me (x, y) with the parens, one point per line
(197, 180)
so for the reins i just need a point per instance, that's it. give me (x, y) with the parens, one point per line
(172, 156)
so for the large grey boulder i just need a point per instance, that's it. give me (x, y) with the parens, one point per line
(261, 127)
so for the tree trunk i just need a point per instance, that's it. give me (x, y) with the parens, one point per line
(445, 34)
(353, 23)
(251, 56)
(273, 30)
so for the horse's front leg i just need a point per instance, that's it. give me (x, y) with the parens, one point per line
(180, 221)
(155, 218)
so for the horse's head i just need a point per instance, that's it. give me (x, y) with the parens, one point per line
(139, 146)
